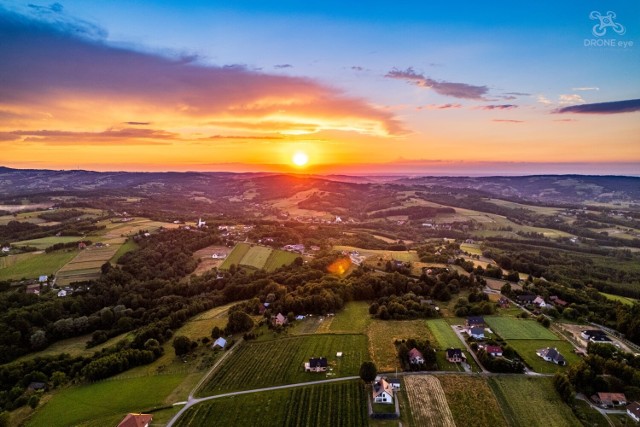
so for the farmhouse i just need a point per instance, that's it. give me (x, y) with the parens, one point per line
(526, 298)
(220, 342)
(557, 301)
(609, 400)
(415, 356)
(455, 355)
(136, 420)
(316, 364)
(594, 335)
(382, 392)
(43, 279)
(600, 339)
(477, 333)
(278, 320)
(493, 350)
(539, 301)
(551, 355)
(633, 410)
(474, 322)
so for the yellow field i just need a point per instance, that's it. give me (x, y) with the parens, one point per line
(406, 256)
(86, 265)
(382, 335)
(428, 401)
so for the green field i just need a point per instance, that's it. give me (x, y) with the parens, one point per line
(280, 361)
(338, 404)
(104, 403)
(624, 300)
(258, 257)
(353, 318)
(279, 259)
(472, 248)
(528, 402)
(527, 350)
(45, 242)
(36, 265)
(510, 328)
(236, 255)
(471, 401)
(11, 260)
(443, 334)
(128, 246)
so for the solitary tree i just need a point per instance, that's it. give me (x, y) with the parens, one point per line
(368, 371)
(182, 345)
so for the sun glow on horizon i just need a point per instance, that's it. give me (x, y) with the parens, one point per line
(300, 159)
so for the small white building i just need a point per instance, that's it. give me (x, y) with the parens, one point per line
(633, 410)
(220, 342)
(6, 249)
(62, 293)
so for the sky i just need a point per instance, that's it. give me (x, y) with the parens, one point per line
(365, 88)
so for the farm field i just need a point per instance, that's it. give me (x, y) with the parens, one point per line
(353, 318)
(75, 346)
(338, 404)
(472, 248)
(542, 210)
(527, 350)
(444, 336)
(86, 265)
(11, 260)
(528, 401)
(206, 262)
(34, 265)
(511, 328)
(258, 257)
(428, 401)
(405, 256)
(104, 403)
(127, 246)
(471, 401)
(280, 361)
(624, 300)
(44, 242)
(383, 334)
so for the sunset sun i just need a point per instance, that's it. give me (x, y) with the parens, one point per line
(300, 159)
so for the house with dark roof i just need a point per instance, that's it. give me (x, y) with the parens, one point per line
(316, 364)
(551, 355)
(136, 420)
(455, 355)
(394, 383)
(590, 333)
(526, 298)
(475, 322)
(415, 356)
(35, 386)
(477, 333)
(633, 410)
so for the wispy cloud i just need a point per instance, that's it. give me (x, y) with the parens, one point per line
(585, 88)
(131, 136)
(456, 90)
(71, 71)
(497, 107)
(614, 107)
(137, 123)
(439, 107)
(571, 99)
(281, 66)
(507, 121)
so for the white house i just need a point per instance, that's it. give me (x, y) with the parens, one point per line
(551, 355)
(218, 256)
(220, 342)
(6, 249)
(43, 279)
(539, 301)
(633, 410)
(382, 392)
(62, 293)
(201, 223)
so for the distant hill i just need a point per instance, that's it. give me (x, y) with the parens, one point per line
(542, 188)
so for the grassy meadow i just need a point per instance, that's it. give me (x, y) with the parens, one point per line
(277, 362)
(32, 265)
